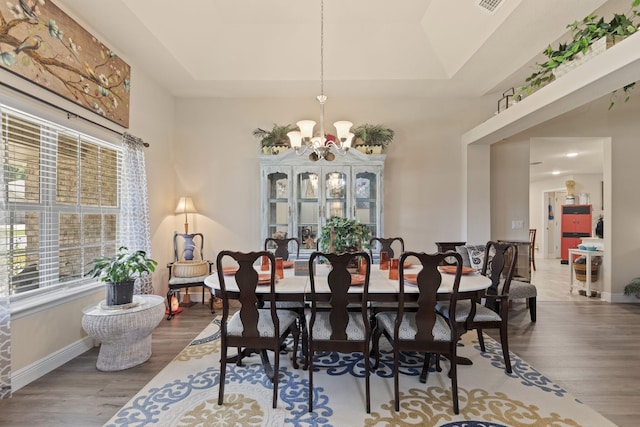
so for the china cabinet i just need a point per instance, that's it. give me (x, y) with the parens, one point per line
(298, 195)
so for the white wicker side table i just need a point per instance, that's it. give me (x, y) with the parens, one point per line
(124, 332)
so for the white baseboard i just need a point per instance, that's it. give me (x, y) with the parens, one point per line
(622, 298)
(24, 376)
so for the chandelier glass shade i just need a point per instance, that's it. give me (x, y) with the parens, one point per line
(321, 143)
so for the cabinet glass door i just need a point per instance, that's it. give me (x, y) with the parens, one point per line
(335, 184)
(366, 200)
(278, 205)
(308, 194)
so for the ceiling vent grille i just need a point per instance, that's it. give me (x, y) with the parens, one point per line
(489, 5)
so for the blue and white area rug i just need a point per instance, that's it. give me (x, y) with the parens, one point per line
(185, 393)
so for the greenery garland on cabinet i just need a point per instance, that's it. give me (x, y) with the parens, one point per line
(365, 135)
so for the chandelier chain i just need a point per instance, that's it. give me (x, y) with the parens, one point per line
(320, 143)
(322, 47)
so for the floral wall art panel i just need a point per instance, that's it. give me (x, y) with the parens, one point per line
(42, 44)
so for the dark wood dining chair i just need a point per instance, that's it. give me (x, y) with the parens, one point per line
(282, 251)
(282, 246)
(336, 326)
(532, 248)
(252, 327)
(386, 244)
(449, 246)
(494, 314)
(422, 329)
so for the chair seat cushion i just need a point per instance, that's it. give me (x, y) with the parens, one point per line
(265, 323)
(408, 326)
(187, 280)
(522, 290)
(322, 327)
(463, 308)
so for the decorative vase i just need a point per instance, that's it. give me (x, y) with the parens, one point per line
(570, 186)
(119, 293)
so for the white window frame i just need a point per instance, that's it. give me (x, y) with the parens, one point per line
(56, 292)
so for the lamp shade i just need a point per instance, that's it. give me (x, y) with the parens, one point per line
(185, 206)
(295, 138)
(306, 128)
(347, 142)
(342, 129)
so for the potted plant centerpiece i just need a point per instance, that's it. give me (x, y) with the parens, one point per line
(275, 140)
(344, 235)
(119, 273)
(372, 139)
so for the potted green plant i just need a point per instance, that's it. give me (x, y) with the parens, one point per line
(372, 139)
(633, 288)
(275, 140)
(119, 273)
(344, 235)
(584, 34)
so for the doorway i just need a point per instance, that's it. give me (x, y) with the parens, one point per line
(552, 162)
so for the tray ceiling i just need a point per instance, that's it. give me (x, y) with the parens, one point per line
(255, 48)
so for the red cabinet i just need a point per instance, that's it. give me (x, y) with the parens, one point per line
(576, 224)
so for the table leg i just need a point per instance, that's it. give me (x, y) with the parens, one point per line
(264, 358)
(588, 256)
(245, 352)
(570, 272)
(460, 360)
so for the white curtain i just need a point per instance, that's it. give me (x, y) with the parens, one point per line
(134, 228)
(5, 312)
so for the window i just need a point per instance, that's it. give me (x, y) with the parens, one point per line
(61, 192)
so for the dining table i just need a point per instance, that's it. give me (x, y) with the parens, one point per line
(297, 288)
(294, 287)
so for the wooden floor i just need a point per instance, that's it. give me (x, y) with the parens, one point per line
(589, 347)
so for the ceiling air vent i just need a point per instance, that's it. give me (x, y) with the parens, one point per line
(489, 5)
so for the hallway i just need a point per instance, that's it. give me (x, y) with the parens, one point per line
(552, 280)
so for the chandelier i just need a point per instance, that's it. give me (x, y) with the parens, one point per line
(322, 143)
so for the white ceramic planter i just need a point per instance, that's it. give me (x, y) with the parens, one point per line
(595, 49)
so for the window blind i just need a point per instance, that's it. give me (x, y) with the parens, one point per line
(62, 197)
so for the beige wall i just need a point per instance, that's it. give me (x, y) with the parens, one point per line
(217, 163)
(38, 336)
(510, 190)
(477, 222)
